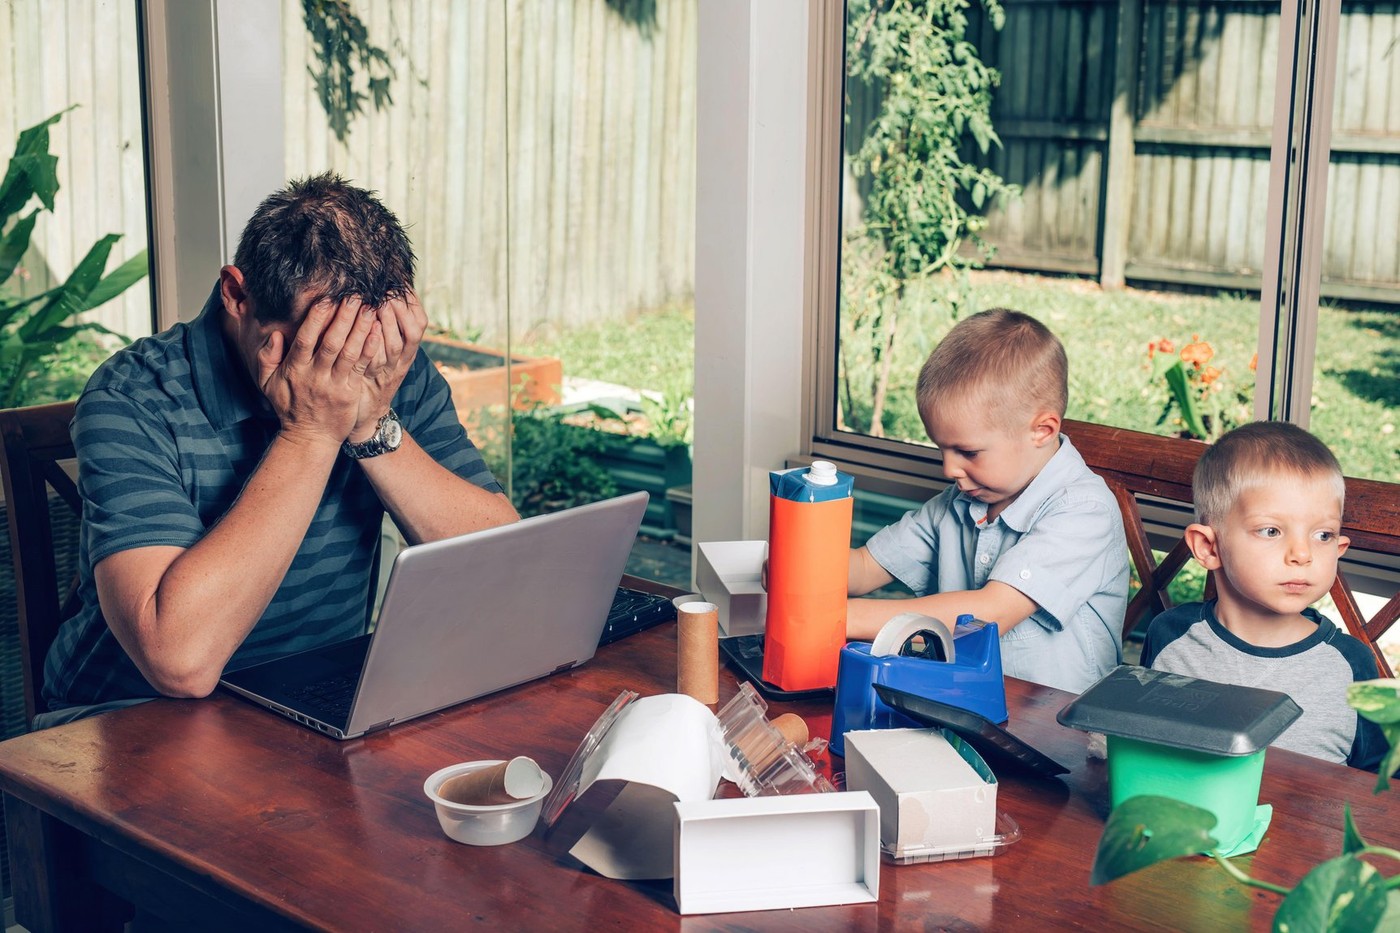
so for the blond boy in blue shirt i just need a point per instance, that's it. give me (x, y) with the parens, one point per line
(1027, 536)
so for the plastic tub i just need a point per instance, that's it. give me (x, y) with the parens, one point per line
(1226, 785)
(484, 825)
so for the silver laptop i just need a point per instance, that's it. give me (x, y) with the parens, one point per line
(462, 618)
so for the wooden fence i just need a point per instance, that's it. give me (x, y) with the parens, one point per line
(542, 154)
(53, 56)
(1186, 204)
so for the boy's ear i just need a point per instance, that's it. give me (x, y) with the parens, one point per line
(1201, 540)
(1045, 427)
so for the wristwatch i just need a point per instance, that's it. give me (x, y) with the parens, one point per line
(387, 437)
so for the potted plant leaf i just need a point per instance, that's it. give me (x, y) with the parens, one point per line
(34, 328)
(645, 445)
(1345, 892)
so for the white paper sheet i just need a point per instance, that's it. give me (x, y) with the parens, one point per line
(667, 748)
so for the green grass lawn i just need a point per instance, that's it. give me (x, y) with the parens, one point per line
(1356, 398)
(646, 350)
(1357, 382)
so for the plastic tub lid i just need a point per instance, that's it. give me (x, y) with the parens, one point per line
(1181, 712)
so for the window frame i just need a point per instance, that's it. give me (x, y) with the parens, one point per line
(1291, 279)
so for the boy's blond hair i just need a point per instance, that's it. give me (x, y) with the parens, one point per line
(1005, 362)
(1250, 456)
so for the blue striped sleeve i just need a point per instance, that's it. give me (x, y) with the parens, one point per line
(424, 402)
(129, 473)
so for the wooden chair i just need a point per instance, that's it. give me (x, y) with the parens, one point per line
(1150, 477)
(33, 441)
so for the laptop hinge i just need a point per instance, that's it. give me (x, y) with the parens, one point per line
(378, 726)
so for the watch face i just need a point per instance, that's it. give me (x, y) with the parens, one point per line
(392, 432)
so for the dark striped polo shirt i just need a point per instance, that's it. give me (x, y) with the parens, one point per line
(167, 433)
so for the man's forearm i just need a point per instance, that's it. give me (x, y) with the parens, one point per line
(428, 501)
(181, 614)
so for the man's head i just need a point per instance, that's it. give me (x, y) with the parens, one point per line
(321, 237)
(992, 396)
(1268, 499)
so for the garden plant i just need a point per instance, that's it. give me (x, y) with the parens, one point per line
(42, 328)
(921, 196)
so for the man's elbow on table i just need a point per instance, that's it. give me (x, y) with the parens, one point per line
(180, 677)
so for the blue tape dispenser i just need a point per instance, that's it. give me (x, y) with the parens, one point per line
(961, 668)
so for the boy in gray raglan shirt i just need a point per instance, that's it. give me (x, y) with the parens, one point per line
(1268, 500)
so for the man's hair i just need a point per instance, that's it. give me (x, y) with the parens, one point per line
(324, 234)
(1003, 361)
(1253, 455)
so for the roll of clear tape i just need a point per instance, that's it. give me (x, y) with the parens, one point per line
(897, 631)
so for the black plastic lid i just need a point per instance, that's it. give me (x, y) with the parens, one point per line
(1181, 712)
(996, 746)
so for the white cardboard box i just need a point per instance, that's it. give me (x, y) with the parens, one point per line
(772, 853)
(728, 574)
(933, 790)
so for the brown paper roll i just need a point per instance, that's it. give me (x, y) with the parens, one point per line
(697, 651)
(506, 782)
(793, 727)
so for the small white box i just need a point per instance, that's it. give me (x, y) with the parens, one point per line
(933, 789)
(773, 853)
(729, 574)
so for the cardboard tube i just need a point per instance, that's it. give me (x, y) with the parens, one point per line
(793, 727)
(507, 782)
(697, 651)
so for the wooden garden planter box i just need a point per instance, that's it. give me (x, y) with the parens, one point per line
(479, 379)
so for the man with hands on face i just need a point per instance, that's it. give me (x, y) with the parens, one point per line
(235, 470)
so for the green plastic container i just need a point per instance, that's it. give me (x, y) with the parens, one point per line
(1226, 785)
(1193, 740)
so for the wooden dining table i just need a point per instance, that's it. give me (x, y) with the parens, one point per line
(217, 814)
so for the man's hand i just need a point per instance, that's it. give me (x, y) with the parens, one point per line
(316, 384)
(402, 322)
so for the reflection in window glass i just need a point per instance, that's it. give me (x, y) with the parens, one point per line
(543, 156)
(1356, 377)
(1141, 163)
(80, 61)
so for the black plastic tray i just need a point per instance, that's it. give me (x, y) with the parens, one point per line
(1181, 712)
(745, 653)
(993, 743)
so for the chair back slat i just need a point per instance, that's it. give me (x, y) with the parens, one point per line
(33, 442)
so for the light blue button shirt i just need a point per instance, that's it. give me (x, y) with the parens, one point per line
(1060, 543)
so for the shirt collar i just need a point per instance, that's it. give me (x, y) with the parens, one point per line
(225, 390)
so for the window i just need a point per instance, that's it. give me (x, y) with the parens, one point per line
(542, 155)
(1113, 179)
(76, 64)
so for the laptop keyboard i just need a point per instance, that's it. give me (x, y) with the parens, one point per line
(333, 694)
(633, 611)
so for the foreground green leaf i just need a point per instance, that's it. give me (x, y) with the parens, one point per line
(1379, 701)
(1351, 836)
(1343, 893)
(1143, 831)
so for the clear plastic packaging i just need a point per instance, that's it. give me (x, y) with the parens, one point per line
(1007, 832)
(567, 789)
(762, 760)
